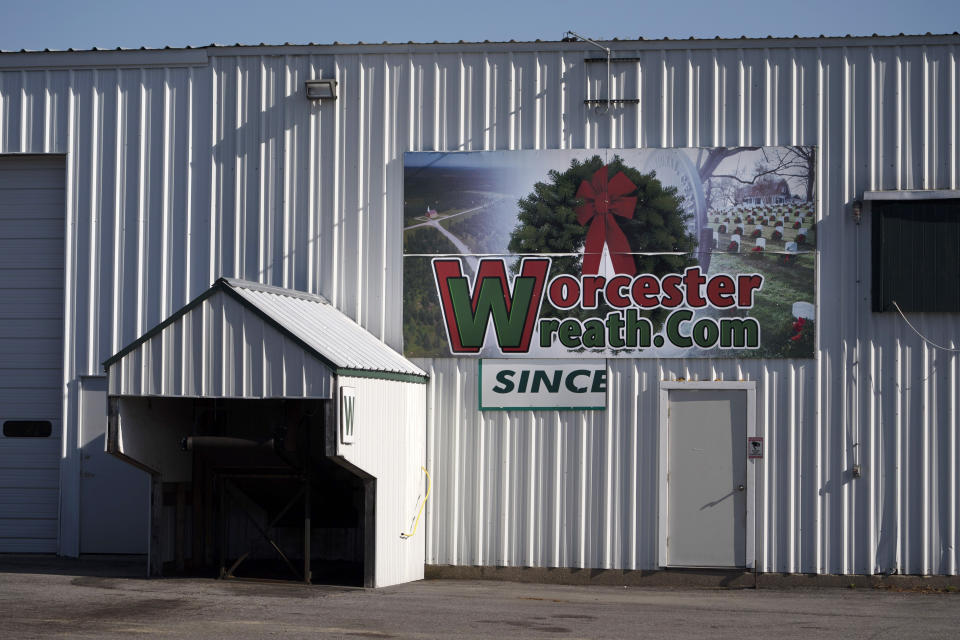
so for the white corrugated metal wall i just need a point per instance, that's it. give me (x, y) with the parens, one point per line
(183, 168)
(389, 445)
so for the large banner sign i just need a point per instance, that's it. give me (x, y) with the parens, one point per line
(610, 253)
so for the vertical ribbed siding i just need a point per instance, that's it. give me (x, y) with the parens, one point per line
(389, 446)
(180, 175)
(221, 349)
(579, 489)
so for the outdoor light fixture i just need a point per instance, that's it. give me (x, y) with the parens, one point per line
(573, 36)
(321, 89)
(857, 211)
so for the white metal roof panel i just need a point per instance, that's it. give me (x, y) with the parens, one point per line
(243, 339)
(341, 342)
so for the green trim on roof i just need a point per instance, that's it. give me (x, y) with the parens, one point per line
(190, 306)
(382, 375)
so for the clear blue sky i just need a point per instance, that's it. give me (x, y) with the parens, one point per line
(82, 24)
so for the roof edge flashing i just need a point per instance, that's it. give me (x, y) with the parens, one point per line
(190, 56)
(912, 194)
(173, 317)
(236, 283)
(104, 58)
(382, 375)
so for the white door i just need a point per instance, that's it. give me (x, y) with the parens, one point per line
(706, 478)
(114, 495)
(31, 350)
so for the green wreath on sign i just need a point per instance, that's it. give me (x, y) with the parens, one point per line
(548, 222)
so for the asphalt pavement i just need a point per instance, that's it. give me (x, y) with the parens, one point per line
(46, 598)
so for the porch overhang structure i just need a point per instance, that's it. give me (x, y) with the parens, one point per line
(274, 360)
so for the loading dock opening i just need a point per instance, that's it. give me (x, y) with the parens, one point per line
(261, 500)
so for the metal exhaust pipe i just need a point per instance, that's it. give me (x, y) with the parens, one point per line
(192, 443)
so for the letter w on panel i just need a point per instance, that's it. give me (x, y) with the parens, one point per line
(467, 312)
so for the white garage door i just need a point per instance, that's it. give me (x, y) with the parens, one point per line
(31, 349)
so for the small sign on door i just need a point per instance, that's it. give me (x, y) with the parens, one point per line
(348, 404)
(755, 447)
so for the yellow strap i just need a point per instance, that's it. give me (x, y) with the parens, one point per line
(416, 523)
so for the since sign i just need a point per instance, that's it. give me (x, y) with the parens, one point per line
(542, 384)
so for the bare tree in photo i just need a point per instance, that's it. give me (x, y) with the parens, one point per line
(720, 194)
(784, 162)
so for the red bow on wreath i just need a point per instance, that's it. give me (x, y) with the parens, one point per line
(798, 328)
(602, 200)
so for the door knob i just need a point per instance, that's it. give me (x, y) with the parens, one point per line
(740, 487)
